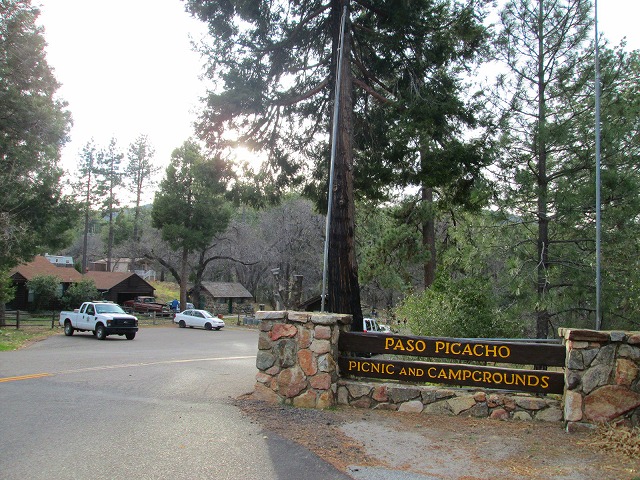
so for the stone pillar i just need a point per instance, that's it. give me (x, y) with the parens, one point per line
(602, 378)
(297, 357)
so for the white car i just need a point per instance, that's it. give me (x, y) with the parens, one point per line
(198, 318)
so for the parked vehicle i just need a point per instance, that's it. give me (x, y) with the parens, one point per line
(198, 318)
(101, 318)
(174, 306)
(145, 304)
(370, 325)
(384, 328)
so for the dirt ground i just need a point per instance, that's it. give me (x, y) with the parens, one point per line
(441, 447)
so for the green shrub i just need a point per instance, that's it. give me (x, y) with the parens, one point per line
(83, 291)
(456, 308)
(45, 288)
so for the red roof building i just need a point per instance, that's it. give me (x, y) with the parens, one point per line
(38, 267)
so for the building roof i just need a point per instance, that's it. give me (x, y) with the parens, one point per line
(59, 259)
(226, 290)
(108, 280)
(41, 266)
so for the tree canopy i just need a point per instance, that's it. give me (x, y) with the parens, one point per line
(190, 207)
(274, 67)
(34, 213)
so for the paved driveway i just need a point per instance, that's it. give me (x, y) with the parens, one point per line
(156, 407)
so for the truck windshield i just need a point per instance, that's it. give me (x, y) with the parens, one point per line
(109, 308)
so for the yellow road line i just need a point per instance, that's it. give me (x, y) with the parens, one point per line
(25, 377)
(126, 365)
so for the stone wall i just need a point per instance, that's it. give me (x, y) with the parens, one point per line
(238, 308)
(297, 357)
(448, 401)
(297, 365)
(602, 379)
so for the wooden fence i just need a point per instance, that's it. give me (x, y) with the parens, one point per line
(18, 319)
(356, 348)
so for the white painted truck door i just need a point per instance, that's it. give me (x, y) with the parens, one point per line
(87, 315)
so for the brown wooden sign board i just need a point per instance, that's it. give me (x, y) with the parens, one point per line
(476, 350)
(535, 381)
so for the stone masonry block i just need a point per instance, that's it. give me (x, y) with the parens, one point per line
(299, 317)
(322, 332)
(609, 402)
(308, 362)
(264, 342)
(320, 346)
(461, 404)
(401, 394)
(572, 406)
(274, 315)
(283, 330)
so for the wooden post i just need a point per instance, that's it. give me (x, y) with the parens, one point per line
(17, 319)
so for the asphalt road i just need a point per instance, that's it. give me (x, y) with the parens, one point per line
(157, 407)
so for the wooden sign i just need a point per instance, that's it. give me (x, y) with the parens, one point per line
(537, 381)
(477, 350)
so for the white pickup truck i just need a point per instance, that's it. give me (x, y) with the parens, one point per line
(101, 318)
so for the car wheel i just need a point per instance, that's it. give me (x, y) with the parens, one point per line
(130, 336)
(68, 329)
(181, 324)
(207, 326)
(101, 332)
(218, 328)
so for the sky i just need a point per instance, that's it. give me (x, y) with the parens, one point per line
(127, 67)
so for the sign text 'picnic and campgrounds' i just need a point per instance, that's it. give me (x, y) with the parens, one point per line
(457, 374)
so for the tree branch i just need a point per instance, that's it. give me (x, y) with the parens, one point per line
(372, 92)
(310, 93)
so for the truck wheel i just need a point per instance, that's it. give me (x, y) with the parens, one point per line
(181, 324)
(207, 326)
(101, 332)
(130, 336)
(68, 328)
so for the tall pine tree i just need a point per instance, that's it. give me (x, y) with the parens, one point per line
(541, 43)
(190, 207)
(275, 66)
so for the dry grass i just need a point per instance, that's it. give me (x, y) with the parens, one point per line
(620, 440)
(166, 291)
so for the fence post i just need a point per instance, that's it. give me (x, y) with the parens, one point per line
(53, 318)
(17, 319)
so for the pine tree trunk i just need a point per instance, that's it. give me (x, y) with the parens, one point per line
(542, 313)
(110, 240)
(429, 240)
(343, 287)
(184, 277)
(85, 238)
